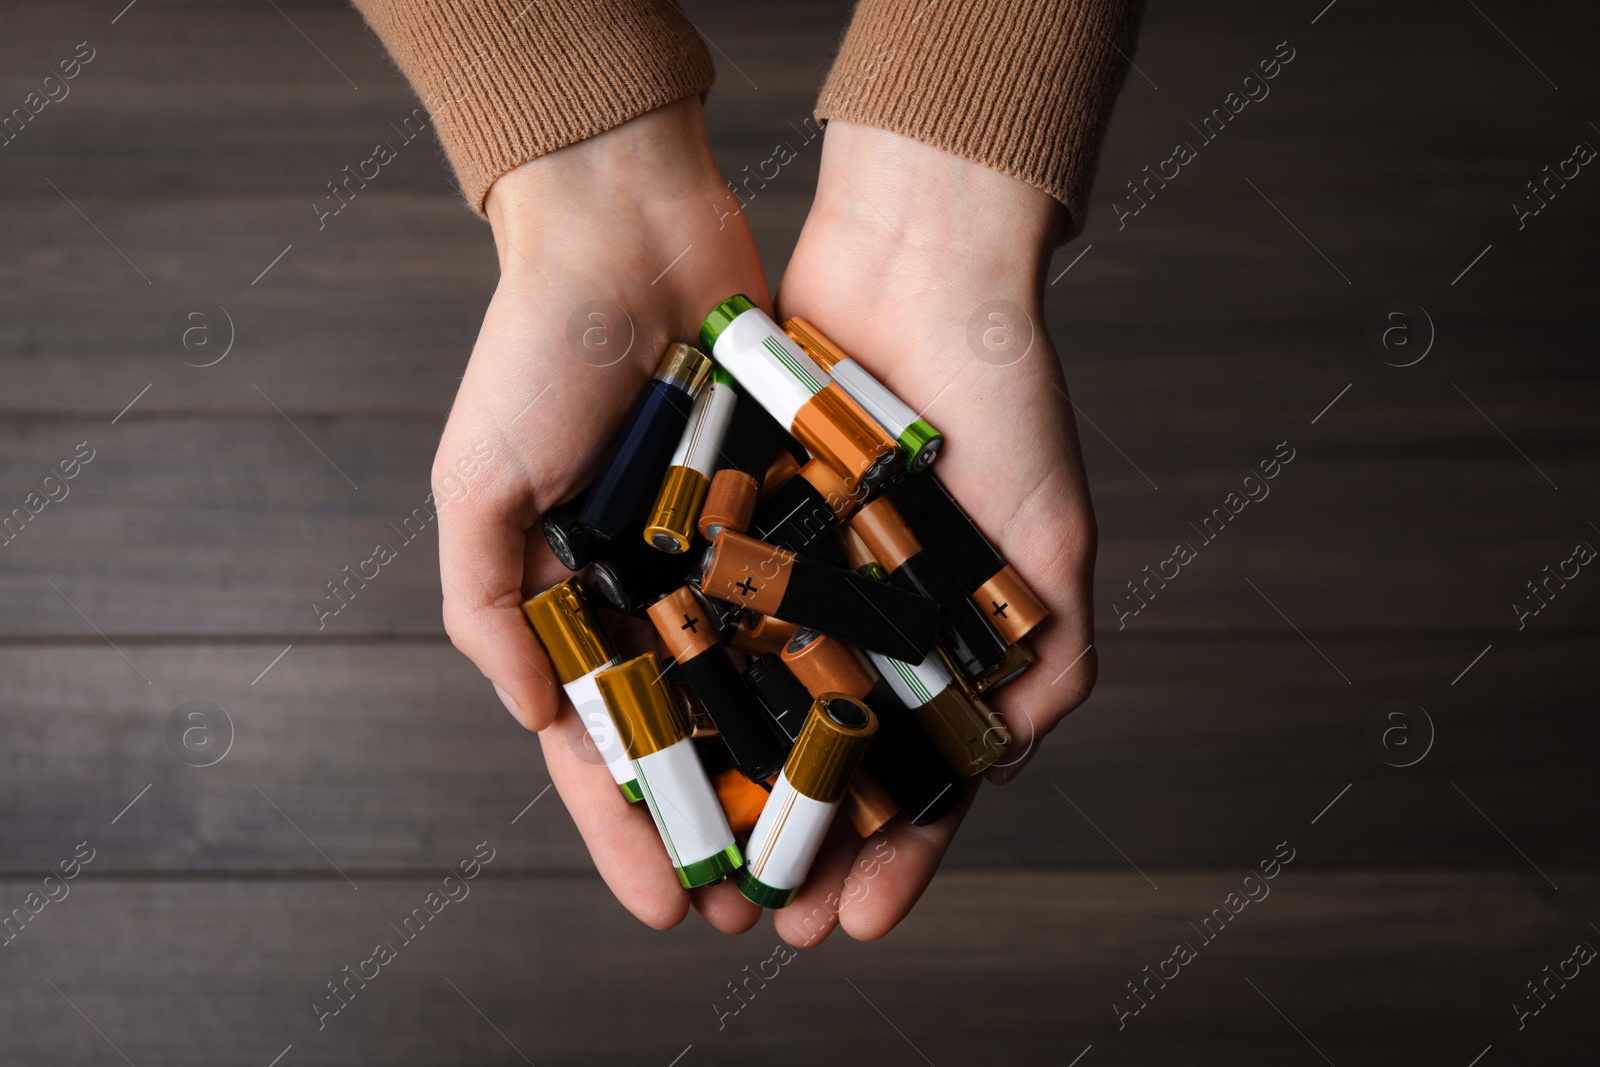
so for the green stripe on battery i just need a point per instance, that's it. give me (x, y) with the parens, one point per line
(772, 345)
(913, 683)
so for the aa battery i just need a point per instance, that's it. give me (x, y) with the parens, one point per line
(967, 734)
(797, 815)
(687, 632)
(903, 757)
(805, 508)
(968, 556)
(637, 462)
(758, 634)
(680, 796)
(774, 581)
(798, 393)
(975, 646)
(630, 575)
(579, 649)
(919, 441)
(868, 805)
(683, 490)
(736, 486)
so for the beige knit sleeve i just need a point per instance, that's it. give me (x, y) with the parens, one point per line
(507, 81)
(1024, 87)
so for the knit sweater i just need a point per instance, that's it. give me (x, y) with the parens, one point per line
(1024, 87)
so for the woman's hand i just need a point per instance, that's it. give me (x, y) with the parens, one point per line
(928, 270)
(609, 250)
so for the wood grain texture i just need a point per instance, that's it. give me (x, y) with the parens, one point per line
(1190, 753)
(213, 525)
(1391, 967)
(1222, 319)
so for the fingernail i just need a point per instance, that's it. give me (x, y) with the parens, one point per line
(505, 698)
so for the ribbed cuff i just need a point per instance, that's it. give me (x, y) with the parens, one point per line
(507, 81)
(1024, 88)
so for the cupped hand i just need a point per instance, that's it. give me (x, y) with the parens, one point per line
(928, 270)
(609, 250)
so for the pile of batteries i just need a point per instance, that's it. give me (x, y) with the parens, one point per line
(775, 499)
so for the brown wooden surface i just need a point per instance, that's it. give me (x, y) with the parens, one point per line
(386, 753)
(1372, 967)
(1195, 338)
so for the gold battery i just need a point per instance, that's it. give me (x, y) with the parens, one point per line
(967, 733)
(685, 365)
(830, 746)
(649, 716)
(571, 633)
(672, 518)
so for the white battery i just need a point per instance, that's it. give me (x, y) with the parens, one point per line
(596, 718)
(770, 366)
(787, 836)
(684, 804)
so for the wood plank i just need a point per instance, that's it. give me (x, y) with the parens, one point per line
(1208, 295)
(235, 525)
(275, 115)
(1370, 967)
(377, 313)
(1189, 753)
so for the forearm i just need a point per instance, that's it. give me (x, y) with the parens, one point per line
(1024, 89)
(507, 81)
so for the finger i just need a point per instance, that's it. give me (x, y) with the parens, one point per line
(815, 910)
(725, 908)
(481, 547)
(888, 876)
(621, 837)
(527, 422)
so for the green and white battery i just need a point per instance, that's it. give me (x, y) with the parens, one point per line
(919, 441)
(681, 799)
(805, 799)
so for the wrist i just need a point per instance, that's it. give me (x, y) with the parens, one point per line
(635, 174)
(935, 210)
